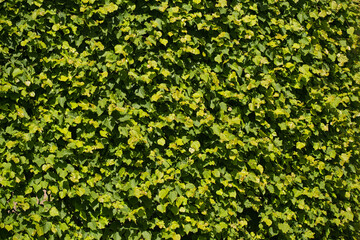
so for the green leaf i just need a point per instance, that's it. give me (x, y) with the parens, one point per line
(278, 61)
(63, 78)
(342, 59)
(92, 225)
(267, 221)
(218, 59)
(161, 208)
(195, 145)
(119, 49)
(309, 234)
(284, 227)
(221, 3)
(350, 30)
(300, 145)
(161, 141)
(47, 227)
(163, 41)
(53, 212)
(172, 196)
(146, 235)
(61, 101)
(56, 27)
(270, 188)
(17, 72)
(36, 217)
(188, 228)
(163, 193)
(112, 7)
(165, 72)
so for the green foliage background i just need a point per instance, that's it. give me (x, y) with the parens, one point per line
(179, 119)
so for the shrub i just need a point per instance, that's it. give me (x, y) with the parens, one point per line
(179, 119)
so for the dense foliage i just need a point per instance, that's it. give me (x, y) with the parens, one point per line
(179, 119)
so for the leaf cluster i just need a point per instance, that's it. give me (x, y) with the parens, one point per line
(177, 119)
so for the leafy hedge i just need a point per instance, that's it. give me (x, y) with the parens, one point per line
(179, 119)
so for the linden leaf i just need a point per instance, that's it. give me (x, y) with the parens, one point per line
(17, 72)
(104, 133)
(63, 78)
(163, 41)
(195, 145)
(53, 212)
(146, 235)
(221, 3)
(284, 227)
(161, 141)
(36, 217)
(218, 59)
(163, 193)
(119, 49)
(161, 208)
(165, 72)
(350, 30)
(267, 221)
(56, 27)
(156, 96)
(309, 234)
(300, 145)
